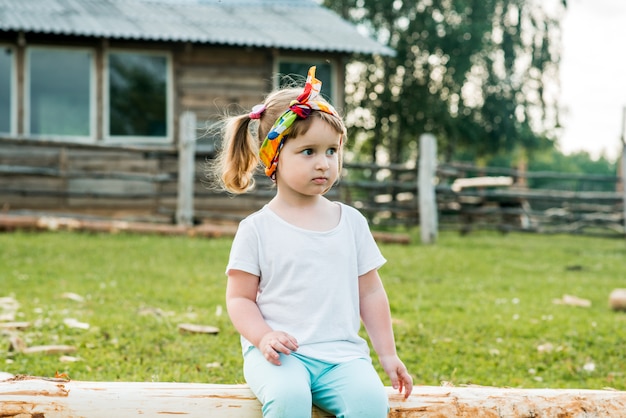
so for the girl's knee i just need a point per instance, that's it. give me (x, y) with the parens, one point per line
(284, 391)
(355, 398)
(287, 401)
(372, 409)
(372, 403)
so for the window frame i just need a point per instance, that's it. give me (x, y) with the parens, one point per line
(93, 102)
(169, 100)
(12, 91)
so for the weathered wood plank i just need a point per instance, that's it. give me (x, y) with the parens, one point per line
(39, 172)
(56, 398)
(16, 183)
(95, 187)
(29, 155)
(426, 189)
(121, 163)
(186, 169)
(228, 58)
(13, 222)
(112, 204)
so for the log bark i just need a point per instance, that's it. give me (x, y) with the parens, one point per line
(24, 396)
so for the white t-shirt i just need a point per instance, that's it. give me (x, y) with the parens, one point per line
(309, 280)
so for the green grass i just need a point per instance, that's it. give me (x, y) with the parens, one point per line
(468, 310)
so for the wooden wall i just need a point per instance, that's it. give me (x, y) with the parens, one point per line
(129, 184)
(209, 80)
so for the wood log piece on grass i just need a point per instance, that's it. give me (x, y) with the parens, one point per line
(617, 300)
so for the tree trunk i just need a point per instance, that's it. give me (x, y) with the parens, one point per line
(24, 396)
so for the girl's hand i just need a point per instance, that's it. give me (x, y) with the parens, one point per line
(399, 375)
(276, 342)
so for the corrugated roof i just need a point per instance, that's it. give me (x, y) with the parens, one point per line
(285, 24)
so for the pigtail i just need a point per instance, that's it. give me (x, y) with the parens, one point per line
(239, 158)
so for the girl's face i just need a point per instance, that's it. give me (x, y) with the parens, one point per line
(308, 163)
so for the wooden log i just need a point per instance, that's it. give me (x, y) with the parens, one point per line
(56, 398)
(198, 329)
(391, 237)
(14, 325)
(617, 300)
(51, 223)
(48, 349)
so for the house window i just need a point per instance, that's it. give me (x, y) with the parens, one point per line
(296, 71)
(6, 92)
(138, 95)
(60, 92)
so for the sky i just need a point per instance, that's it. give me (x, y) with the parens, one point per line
(593, 77)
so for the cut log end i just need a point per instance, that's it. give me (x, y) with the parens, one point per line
(617, 300)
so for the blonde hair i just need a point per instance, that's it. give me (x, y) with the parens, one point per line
(237, 162)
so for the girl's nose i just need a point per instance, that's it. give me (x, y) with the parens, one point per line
(322, 162)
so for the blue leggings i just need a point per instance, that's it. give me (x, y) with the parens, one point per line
(347, 390)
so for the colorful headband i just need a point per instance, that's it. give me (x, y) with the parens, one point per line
(300, 108)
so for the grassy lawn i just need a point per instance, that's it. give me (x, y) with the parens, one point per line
(478, 309)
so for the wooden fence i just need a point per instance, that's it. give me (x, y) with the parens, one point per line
(167, 185)
(464, 197)
(491, 203)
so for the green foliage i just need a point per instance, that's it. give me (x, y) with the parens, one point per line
(475, 309)
(471, 72)
(577, 163)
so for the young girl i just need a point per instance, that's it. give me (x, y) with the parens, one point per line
(303, 271)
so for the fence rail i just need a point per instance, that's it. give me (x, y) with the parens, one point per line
(513, 207)
(145, 184)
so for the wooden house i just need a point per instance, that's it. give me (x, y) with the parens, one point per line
(92, 93)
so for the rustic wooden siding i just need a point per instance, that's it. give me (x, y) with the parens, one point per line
(132, 184)
(214, 81)
(217, 77)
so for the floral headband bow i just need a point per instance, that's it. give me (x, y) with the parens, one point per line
(300, 108)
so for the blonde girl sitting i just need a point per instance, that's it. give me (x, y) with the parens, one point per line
(303, 270)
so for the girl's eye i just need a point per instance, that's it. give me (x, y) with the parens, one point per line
(307, 151)
(331, 151)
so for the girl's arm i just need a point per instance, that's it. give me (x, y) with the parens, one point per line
(377, 320)
(241, 291)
